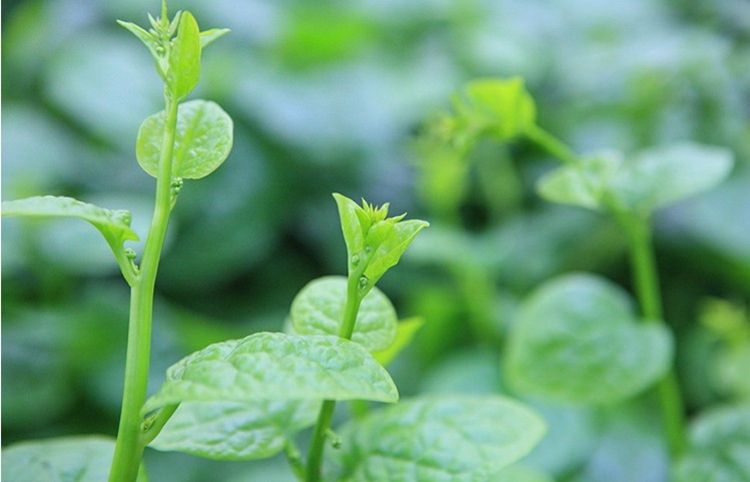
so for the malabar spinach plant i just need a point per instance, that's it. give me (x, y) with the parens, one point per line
(249, 398)
(187, 140)
(577, 339)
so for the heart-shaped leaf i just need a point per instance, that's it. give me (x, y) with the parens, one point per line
(318, 309)
(576, 339)
(276, 366)
(69, 459)
(461, 438)
(202, 142)
(719, 447)
(235, 431)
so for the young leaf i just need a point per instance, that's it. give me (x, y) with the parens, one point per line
(503, 106)
(354, 234)
(390, 250)
(577, 340)
(143, 35)
(209, 36)
(78, 458)
(185, 58)
(719, 447)
(318, 309)
(235, 431)
(461, 438)
(650, 180)
(405, 332)
(114, 225)
(276, 366)
(203, 140)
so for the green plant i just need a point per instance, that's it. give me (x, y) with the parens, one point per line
(248, 398)
(576, 338)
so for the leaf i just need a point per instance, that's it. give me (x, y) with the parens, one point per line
(390, 250)
(354, 234)
(405, 332)
(202, 142)
(318, 309)
(143, 35)
(576, 340)
(276, 366)
(519, 473)
(209, 36)
(503, 106)
(719, 447)
(459, 438)
(66, 459)
(235, 431)
(650, 180)
(185, 57)
(114, 225)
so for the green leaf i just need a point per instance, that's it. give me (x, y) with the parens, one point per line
(719, 447)
(114, 225)
(318, 309)
(143, 35)
(519, 473)
(185, 57)
(650, 180)
(235, 431)
(390, 250)
(576, 339)
(276, 366)
(405, 332)
(202, 142)
(209, 36)
(66, 459)
(502, 106)
(354, 234)
(461, 438)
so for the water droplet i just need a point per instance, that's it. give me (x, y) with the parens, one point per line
(368, 249)
(363, 280)
(130, 253)
(355, 260)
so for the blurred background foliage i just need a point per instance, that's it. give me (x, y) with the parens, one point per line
(334, 96)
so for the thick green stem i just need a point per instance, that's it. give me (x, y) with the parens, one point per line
(552, 145)
(315, 456)
(649, 296)
(128, 451)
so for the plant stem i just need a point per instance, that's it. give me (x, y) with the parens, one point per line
(552, 145)
(649, 296)
(315, 456)
(128, 450)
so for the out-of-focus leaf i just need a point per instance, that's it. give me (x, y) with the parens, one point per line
(69, 459)
(719, 447)
(209, 36)
(202, 142)
(438, 438)
(520, 473)
(502, 106)
(576, 339)
(650, 180)
(276, 366)
(405, 332)
(318, 309)
(235, 431)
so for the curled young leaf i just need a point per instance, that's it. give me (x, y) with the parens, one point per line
(576, 339)
(459, 438)
(185, 58)
(719, 447)
(114, 225)
(202, 142)
(318, 309)
(374, 242)
(78, 458)
(276, 366)
(233, 430)
(501, 107)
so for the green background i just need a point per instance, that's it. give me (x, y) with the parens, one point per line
(330, 96)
